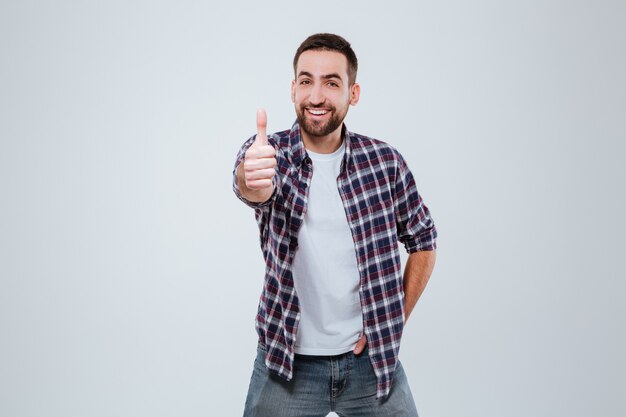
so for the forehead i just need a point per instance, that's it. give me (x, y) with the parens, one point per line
(321, 62)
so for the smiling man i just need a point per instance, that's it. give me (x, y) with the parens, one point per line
(331, 206)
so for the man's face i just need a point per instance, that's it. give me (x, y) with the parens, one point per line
(321, 91)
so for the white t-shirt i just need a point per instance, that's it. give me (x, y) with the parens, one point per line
(325, 272)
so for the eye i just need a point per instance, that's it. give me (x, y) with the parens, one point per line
(333, 84)
(305, 82)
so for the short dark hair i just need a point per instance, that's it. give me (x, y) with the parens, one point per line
(329, 42)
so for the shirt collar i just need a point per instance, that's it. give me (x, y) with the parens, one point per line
(298, 151)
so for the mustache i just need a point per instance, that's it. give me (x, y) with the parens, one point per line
(317, 106)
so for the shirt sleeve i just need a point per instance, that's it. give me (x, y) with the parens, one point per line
(240, 157)
(416, 228)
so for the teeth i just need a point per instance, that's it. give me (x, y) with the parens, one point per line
(317, 112)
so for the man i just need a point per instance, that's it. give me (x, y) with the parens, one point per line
(331, 207)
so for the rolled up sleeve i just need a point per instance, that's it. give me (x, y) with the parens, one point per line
(416, 228)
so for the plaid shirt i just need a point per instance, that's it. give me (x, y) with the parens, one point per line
(382, 207)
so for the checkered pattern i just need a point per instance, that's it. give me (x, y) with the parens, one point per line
(382, 207)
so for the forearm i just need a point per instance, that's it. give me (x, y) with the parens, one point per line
(254, 196)
(417, 271)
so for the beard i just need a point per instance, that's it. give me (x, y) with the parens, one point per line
(318, 128)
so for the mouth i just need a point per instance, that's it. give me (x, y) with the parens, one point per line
(317, 112)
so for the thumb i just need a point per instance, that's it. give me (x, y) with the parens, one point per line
(261, 126)
(360, 345)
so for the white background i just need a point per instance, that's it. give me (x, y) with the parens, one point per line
(129, 272)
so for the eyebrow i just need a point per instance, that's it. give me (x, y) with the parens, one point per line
(325, 76)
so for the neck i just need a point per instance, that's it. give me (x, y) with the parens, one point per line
(323, 144)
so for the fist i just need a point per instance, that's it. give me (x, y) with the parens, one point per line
(260, 158)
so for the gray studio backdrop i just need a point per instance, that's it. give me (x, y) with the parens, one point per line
(129, 272)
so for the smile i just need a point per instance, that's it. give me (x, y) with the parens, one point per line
(317, 112)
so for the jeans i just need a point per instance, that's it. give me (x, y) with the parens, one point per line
(345, 384)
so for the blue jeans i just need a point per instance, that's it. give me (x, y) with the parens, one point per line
(345, 384)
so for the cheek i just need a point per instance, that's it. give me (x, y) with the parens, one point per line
(299, 97)
(342, 97)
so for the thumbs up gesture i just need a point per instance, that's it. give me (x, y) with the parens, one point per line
(260, 159)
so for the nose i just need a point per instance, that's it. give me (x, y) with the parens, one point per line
(316, 97)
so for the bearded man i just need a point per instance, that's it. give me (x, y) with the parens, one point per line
(331, 206)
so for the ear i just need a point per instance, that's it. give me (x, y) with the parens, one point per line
(293, 91)
(355, 93)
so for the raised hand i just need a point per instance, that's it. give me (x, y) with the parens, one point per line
(260, 158)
